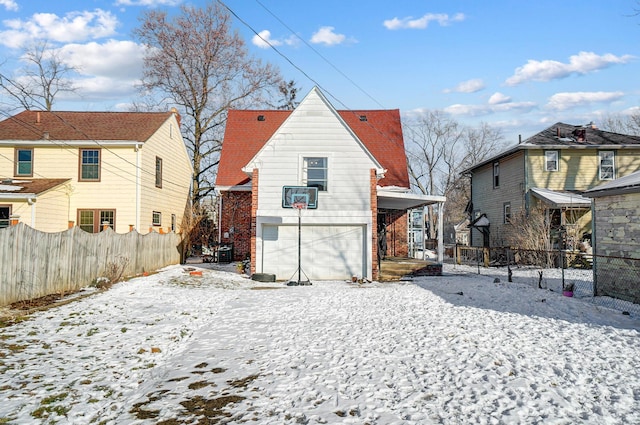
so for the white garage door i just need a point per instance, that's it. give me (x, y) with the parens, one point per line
(327, 252)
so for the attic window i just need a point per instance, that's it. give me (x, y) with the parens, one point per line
(363, 117)
(260, 117)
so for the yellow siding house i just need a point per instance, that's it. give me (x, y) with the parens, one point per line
(551, 170)
(123, 170)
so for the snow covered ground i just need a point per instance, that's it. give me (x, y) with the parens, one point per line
(173, 348)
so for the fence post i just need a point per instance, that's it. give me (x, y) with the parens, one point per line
(485, 256)
(458, 252)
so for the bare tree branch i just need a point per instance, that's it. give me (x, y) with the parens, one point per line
(39, 82)
(197, 60)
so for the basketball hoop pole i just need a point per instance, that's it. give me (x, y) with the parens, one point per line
(299, 242)
(300, 206)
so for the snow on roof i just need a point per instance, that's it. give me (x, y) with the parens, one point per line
(561, 199)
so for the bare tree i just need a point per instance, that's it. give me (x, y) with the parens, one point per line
(433, 140)
(623, 124)
(289, 91)
(44, 76)
(531, 236)
(202, 65)
(438, 148)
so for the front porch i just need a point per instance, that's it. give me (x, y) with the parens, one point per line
(394, 268)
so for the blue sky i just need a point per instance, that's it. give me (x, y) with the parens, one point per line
(520, 66)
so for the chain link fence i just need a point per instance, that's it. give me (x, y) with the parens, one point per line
(612, 282)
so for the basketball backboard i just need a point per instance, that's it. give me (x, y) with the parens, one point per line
(299, 194)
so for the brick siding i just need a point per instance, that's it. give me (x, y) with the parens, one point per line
(236, 213)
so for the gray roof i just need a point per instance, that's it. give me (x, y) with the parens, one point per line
(566, 136)
(561, 134)
(627, 184)
(561, 199)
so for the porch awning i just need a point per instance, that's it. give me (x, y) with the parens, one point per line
(394, 200)
(561, 199)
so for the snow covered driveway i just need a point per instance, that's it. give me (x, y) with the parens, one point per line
(178, 349)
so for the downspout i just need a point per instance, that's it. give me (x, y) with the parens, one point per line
(525, 189)
(138, 183)
(594, 245)
(440, 232)
(220, 217)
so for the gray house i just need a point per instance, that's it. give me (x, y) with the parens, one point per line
(550, 170)
(616, 237)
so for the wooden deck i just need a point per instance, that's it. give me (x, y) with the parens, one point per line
(394, 268)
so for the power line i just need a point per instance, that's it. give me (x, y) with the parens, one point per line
(317, 53)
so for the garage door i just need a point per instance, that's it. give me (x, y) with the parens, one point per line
(327, 252)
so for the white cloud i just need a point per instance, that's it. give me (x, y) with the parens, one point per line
(489, 108)
(9, 4)
(264, 41)
(634, 110)
(547, 70)
(326, 36)
(562, 101)
(114, 59)
(498, 98)
(150, 3)
(469, 86)
(420, 23)
(75, 26)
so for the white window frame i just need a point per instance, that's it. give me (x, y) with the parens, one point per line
(506, 213)
(496, 174)
(548, 159)
(304, 168)
(601, 165)
(156, 218)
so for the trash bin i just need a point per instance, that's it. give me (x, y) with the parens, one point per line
(225, 254)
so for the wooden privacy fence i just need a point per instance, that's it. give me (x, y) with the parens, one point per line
(34, 264)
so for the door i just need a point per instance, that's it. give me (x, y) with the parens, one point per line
(326, 252)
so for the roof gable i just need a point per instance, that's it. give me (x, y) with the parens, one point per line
(39, 125)
(378, 131)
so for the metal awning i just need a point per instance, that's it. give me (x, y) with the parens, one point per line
(561, 199)
(394, 200)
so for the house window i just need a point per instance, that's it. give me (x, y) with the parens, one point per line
(5, 213)
(551, 160)
(156, 218)
(496, 174)
(315, 173)
(506, 212)
(607, 165)
(173, 222)
(89, 165)
(93, 221)
(158, 172)
(24, 162)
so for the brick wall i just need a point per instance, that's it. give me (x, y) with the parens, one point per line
(397, 233)
(236, 213)
(373, 183)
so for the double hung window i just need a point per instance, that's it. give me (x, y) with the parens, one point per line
(89, 165)
(316, 173)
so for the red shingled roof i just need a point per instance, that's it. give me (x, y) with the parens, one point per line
(37, 125)
(381, 133)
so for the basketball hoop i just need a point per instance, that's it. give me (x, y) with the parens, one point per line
(299, 205)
